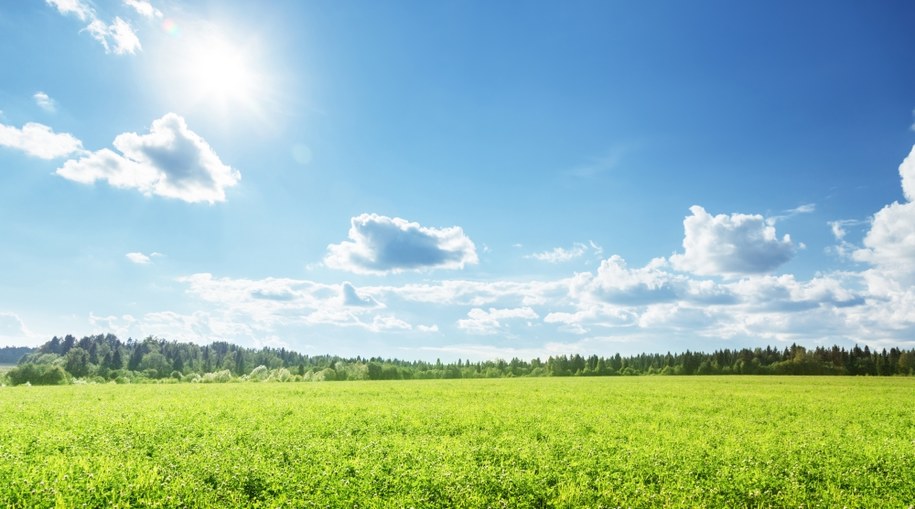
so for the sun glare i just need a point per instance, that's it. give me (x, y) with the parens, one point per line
(206, 70)
(220, 71)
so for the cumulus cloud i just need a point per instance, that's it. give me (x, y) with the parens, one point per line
(381, 245)
(144, 8)
(39, 140)
(907, 172)
(730, 245)
(45, 102)
(889, 245)
(616, 282)
(480, 321)
(171, 161)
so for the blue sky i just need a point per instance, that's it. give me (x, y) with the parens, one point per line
(459, 179)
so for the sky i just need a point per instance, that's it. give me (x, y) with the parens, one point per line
(459, 179)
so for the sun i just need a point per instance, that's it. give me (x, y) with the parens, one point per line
(221, 71)
(212, 71)
(216, 70)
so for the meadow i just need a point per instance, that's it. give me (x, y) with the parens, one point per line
(536, 442)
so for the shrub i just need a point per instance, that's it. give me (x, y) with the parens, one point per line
(259, 373)
(38, 374)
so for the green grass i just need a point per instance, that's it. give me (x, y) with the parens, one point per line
(583, 442)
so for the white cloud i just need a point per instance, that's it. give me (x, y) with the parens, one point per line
(907, 172)
(352, 298)
(140, 258)
(144, 8)
(125, 39)
(480, 321)
(807, 208)
(838, 229)
(730, 245)
(890, 243)
(14, 332)
(561, 255)
(11, 326)
(45, 102)
(615, 282)
(76, 7)
(40, 141)
(381, 245)
(268, 304)
(477, 293)
(171, 161)
(651, 307)
(118, 37)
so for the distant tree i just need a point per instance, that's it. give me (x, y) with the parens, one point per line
(77, 362)
(155, 364)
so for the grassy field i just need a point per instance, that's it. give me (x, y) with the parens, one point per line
(583, 442)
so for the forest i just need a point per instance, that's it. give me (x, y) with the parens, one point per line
(105, 358)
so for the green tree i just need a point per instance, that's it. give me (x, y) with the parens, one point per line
(157, 363)
(77, 362)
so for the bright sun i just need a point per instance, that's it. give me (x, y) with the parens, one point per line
(222, 72)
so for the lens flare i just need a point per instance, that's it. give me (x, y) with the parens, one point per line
(170, 27)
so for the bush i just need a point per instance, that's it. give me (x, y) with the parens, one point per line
(259, 374)
(281, 375)
(219, 377)
(38, 374)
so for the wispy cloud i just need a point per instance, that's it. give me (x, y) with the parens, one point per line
(171, 161)
(561, 254)
(118, 37)
(807, 208)
(599, 165)
(144, 8)
(15, 332)
(480, 321)
(76, 7)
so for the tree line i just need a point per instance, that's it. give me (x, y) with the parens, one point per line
(105, 358)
